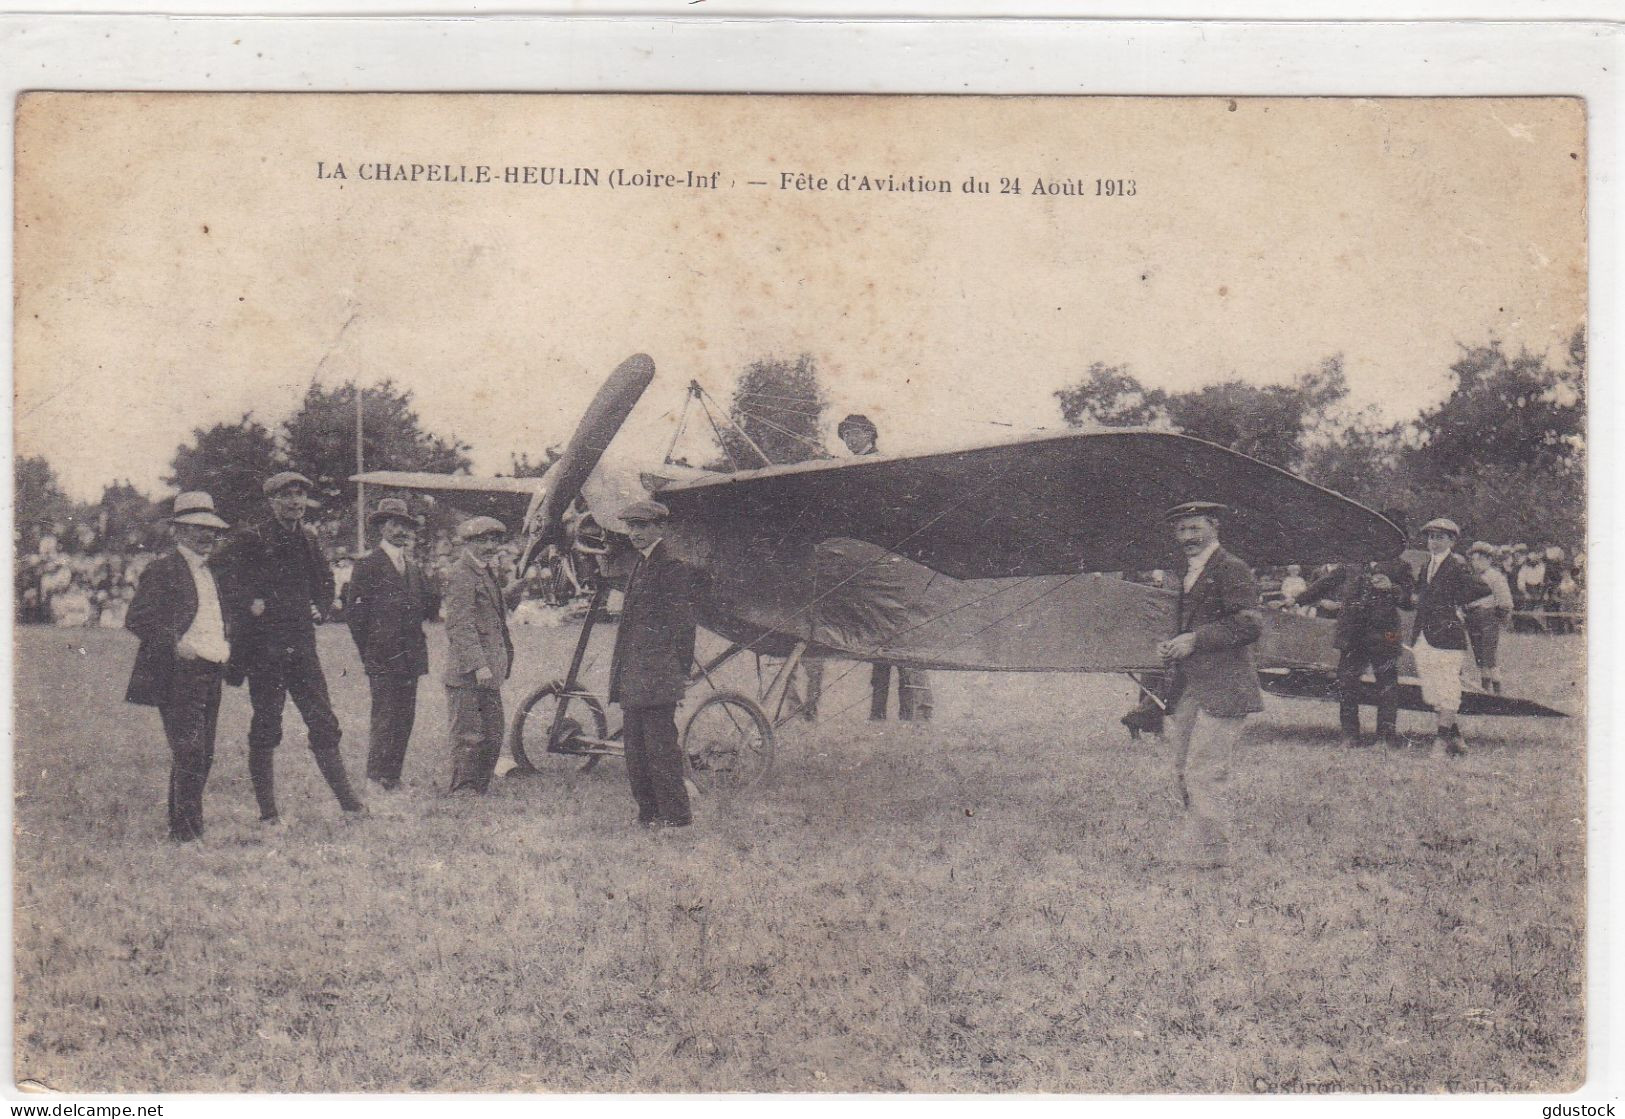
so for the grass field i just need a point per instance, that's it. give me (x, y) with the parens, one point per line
(975, 906)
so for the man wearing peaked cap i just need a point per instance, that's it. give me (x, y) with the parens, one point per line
(1215, 683)
(1444, 588)
(277, 585)
(479, 654)
(177, 615)
(1487, 617)
(654, 649)
(388, 599)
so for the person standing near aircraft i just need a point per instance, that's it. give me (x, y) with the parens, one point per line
(1488, 616)
(1438, 637)
(1215, 683)
(177, 615)
(479, 654)
(1368, 598)
(914, 699)
(389, 599)
(277, 586)
(654, 649)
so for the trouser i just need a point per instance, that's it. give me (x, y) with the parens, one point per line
(813, 668)
(394, 710)
(913, 692)
(1384, 665)
(654, 764)
(1440, 671)
(189, 713)
(476, 736)
(1484, 631)
(296, 672)
(1204, 757)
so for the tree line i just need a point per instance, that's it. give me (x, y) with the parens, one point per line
(1503, 453)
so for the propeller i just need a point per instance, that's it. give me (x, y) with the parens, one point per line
(599, 423)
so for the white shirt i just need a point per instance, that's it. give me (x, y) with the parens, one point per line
(1433, 564)
(1194, 571)
(396, 556)
(207, 633)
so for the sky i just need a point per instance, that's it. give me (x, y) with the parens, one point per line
(183, 259)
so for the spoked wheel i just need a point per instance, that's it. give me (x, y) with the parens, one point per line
(728, 743)
(549, 726)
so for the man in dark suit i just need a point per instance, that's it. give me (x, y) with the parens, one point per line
(1368, 598)
(177, 615)
(277, 585)
(1445, 587)
(1215, 683)
(654, 650)
(479, 654)
(389, 597)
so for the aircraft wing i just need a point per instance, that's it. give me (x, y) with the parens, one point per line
(1045, 505)
(503, 498)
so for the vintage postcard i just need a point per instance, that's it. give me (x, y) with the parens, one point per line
(655, 593)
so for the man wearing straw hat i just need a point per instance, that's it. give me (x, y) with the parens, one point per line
(389, 598)
(277, 584)
(177, 615)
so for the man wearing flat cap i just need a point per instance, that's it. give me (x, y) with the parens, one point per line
(389, 597)
(1215, 683)
(1444, 588)
(479, 654)
(177, 615)
(277, 586)
(654, 650)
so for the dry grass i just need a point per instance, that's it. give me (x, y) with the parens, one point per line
(978, 906)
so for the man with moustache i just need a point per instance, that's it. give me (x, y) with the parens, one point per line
(389, 598)
(1215, 682)
(277, 586)
(654, 650)
(177, 615)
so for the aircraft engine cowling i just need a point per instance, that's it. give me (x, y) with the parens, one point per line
(599, 423)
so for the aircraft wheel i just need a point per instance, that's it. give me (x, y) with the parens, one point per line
(727, 743)
(533, 727)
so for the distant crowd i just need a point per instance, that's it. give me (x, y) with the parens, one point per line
(1546, 586)
(72, 579)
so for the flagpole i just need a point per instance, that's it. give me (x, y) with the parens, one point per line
(360, 487)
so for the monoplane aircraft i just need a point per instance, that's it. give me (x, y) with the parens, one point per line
(1001, 557)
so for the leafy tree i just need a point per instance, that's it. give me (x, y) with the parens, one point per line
(523, 467)
(38, 496)
(1109, 396)
(1268, 422)
(230, 462)
(319, 441)
(1504, 453)
(127, 519)
(780, 405)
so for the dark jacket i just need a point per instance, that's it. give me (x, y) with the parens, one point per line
(1222, 611)
(385, 611)
(287, 571)
(654, 644)
(1438, 604)
(1367, 618)
(476, 626)
(161, 612)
